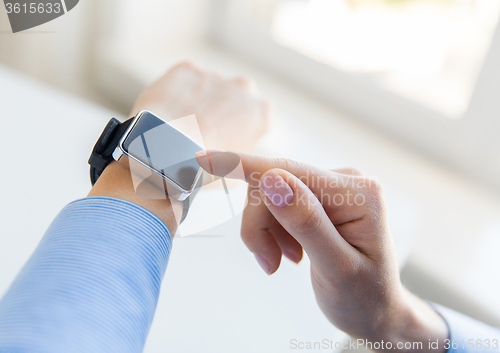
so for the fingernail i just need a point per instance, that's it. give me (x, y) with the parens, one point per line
(263, 264)
(206, 157)
(201, 154)
(276, 189)
(292, 257)
(209, 153)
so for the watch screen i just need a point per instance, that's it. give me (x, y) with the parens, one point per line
(164, 149)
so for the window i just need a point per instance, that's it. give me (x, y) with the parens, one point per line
(427, 51)
(425, 71)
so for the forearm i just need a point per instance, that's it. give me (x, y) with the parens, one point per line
(92, 284)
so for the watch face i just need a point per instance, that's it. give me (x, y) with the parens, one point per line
(164, 149)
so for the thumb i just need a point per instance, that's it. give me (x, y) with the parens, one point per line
(301, 214)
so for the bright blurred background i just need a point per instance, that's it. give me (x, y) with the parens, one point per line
(406, 90)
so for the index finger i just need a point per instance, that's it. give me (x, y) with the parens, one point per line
(221, 164)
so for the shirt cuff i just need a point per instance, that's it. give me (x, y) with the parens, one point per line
(468, 335)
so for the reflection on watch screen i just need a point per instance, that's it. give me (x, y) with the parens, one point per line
(164, 149)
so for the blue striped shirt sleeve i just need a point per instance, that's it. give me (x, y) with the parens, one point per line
(468, 335)
(91, 285)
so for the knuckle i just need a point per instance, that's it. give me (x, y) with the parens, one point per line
(187, 65)
(245, 82)
(216, 77)
(371, 187)
(376, 195)
(374, 200)
(354, 171)
(311, 224)
(286, 164)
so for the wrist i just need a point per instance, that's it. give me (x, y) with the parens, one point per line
(116, 181)
(412, 325)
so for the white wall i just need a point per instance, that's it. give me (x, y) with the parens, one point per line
(55, 52)
(62, 52)
(167, 23)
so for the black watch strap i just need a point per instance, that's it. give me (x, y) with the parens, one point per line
(102, 154)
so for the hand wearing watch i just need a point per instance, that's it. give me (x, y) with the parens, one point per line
(156, 152)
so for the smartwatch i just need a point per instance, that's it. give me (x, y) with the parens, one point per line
(157, 153)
